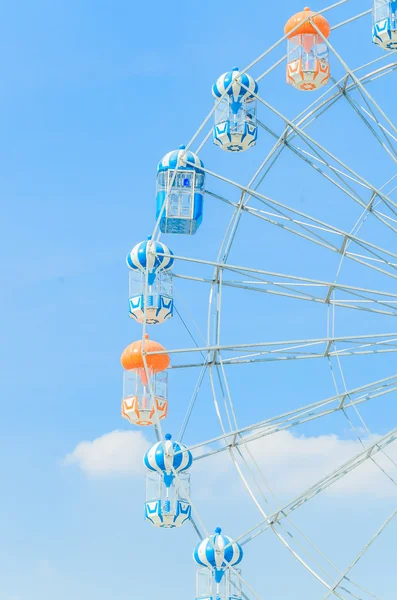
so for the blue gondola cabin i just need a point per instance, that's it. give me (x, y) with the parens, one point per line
(180, 192)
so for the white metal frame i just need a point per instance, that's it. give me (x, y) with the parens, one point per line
(375, 204)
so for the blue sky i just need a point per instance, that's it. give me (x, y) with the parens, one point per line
(93, 94)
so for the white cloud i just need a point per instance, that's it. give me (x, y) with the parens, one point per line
(289, 463)
(293, 463)
(117, 452)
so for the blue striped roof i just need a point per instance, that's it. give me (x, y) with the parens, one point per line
(145, 255)
(218, 552)
(166, 457)
(170, 161)
(233, 81)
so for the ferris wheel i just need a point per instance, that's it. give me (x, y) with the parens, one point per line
(307, 246)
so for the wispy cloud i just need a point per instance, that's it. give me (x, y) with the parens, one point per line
(289, 463)
(115, 453)
(293, 463)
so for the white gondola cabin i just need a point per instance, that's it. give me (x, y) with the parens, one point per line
(150, 277)
(168, 484)
(235, 128)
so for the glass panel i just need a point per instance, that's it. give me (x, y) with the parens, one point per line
(228, 589)
(181, 198)
(222, 111)
(161, 180)
(161, 285)
(182, 490)
(160, 384)
(322, 50)
(393, 15)
(173, 205)
(135, 383)
(153, 487)
(200, 181)
(246, 113)
(294, 48)
(250, 111)
(131, 384)
(185, 205)
(203, 583)
(308, 48)
(382, 10)
(234, 585)
(183, 179)
(157, 490)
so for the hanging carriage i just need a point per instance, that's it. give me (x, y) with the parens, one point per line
(168, 484)
(150, 278)
(144, 389)
(235, 128)
(180, 192)
(308, 65)
(214, 557)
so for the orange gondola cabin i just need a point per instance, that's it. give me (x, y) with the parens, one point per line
(308, 65)
(144, 389)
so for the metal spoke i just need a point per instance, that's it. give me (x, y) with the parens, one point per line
(320, 486)
(294, 418)
(215, 356)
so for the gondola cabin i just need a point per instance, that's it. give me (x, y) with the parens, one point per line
(168, 484)
(150, 282)
(180, 192)
(308, 66)
(235, 128)
(144, 385)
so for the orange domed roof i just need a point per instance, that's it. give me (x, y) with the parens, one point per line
(132, 356)
(306, 27)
